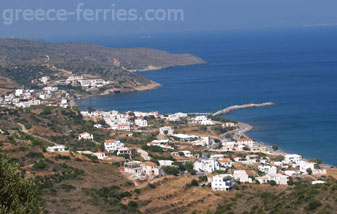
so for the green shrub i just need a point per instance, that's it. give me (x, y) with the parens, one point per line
(40, 165)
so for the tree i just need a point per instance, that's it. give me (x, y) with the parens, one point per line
(275, 147)
(17, 195)
(170, 170)
(194, 182)
(91, 109)
(272, 183)
(317, 160)
(309, 171)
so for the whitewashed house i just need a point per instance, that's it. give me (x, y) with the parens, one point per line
(229, 145)
(269, 170)
(237, 159)
(176, 116)
(206, 165)
(99, 155)
(184, 153)
(133, 167)
(225, 162)
(164, 144)
(165, 162)
(203, 141)
(98, 126)
(85, 136)
(203, 120)
(292, 159)
(304, 166)
(242, 176)
(112, 146)
(278, 178)
(141, 122)
(19, 92)
(223, 182)
(122, 127)
(185, 137)
(154, 113)
(151, 169)
(123, 151)
(57, 148)
(167, 130)
(246, 142)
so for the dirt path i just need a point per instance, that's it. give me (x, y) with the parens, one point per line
(24, 130)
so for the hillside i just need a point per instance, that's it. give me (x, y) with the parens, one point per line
(68, 182)
(16, 51)
(24, 61)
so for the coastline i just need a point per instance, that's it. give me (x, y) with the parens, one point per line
(247, 128)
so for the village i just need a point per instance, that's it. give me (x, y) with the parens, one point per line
(51, 92)
(225, 159)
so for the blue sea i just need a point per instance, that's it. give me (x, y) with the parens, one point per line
(294, 68)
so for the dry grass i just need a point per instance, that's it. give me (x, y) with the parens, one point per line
(172, 196)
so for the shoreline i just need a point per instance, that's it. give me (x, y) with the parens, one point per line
(249, 128)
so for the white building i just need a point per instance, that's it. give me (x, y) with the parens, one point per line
(167, 130)
(150, 169)
(304, 166)
(112, 146)
(223, 182)
(292, 158)
(225, 162)
(203, 120)
(318, 182)
(98, 126)
(247, 142)
(121, 127)
(185, 137)
(44, 79)
(99, 155)
(176, 116)
(203, 141)
(57, 148)
(141, 122)
(184, 153)
(278, 178)
(164, 144)
(134, 168)
(19, 92)
(165, 162)
(242, 176)
(269, 170)
(86, 136)
(206, 165)
(123, 151)
(140, 170)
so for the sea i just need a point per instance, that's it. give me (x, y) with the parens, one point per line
(294, 68)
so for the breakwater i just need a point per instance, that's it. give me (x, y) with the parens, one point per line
(236, 107)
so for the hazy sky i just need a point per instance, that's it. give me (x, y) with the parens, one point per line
(198, 15)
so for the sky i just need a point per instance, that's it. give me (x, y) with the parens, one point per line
(198, 16)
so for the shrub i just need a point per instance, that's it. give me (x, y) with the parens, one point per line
(171, 170)
(67, 187)
(314, 205)
(17, 195)
(133, 205)
(40, 165)
(152, 186)
(62, 157)
(35, 155)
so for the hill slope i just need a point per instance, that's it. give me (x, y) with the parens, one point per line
(23, 61)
